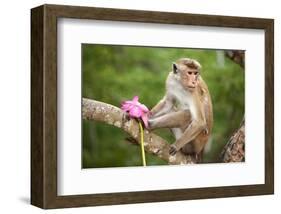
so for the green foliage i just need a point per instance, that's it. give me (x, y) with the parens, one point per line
(113, 74)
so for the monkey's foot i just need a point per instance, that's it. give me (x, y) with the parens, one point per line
(173, 150)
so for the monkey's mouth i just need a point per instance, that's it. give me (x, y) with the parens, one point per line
(191, 87)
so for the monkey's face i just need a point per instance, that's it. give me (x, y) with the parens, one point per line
(189, 78)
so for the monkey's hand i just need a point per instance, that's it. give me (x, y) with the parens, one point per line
(149, 114)
(126, 117)
(173, 149)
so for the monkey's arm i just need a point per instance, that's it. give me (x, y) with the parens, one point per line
(162, 107)
(171, 120)
(191, 132)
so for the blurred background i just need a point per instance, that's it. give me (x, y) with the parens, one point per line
(113, 74)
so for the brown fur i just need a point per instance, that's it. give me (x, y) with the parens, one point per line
(186, 108)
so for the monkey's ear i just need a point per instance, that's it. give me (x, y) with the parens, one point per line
(175, 68)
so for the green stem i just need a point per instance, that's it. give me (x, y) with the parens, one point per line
(142, 145)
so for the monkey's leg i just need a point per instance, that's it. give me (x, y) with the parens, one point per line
(170, 120)
(188, 149)
(188, 136)
(177, 132)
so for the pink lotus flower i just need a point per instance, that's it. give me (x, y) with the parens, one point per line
(136, 109)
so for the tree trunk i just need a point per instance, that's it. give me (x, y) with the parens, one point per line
(236, 56)
(234, 150)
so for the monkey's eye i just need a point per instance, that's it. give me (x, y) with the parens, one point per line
(196, 73)
(189, 72)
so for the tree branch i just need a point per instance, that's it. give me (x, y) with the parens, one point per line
(103, 112)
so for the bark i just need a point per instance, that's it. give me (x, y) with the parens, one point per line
(103, 112)
(234, 150)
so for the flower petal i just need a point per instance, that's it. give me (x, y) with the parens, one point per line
(135, 99)
(144, 118)
(135, 112)
(135, 108)
(144, 108)
(126, 107)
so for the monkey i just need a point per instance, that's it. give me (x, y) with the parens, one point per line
(186, 109)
